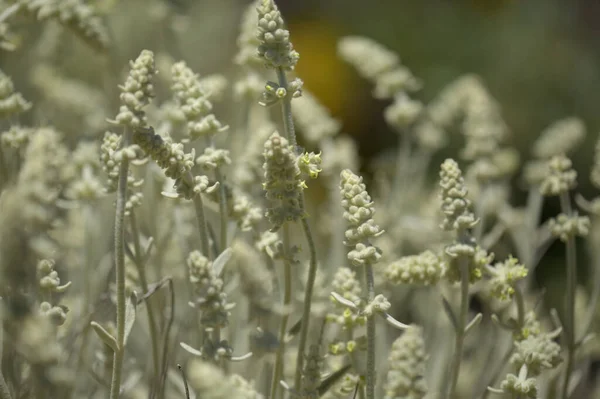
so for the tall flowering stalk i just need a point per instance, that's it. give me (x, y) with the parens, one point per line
(277, 52)
(358, 212)
(136, 93)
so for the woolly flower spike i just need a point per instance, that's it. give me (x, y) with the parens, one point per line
(370, 58)
(194, 102)
(111, 143)
(75, 15)
(275, 47)
(405, 379)
(520, 386)
(247, 41)
(345, 283)
(560, 177)
(213, 158)
(478, 258)
(390, 83)
(314, 119)
(595, 175)
(403, 112)
(456, 207)
(282, 184)
(48, 277)
(504, 277)
(559, 138)
(309, 163)
(424, 269)
(11, 103)
(208, 287)
(137, 91)
(564, 226)
(209, 382)
(538, 352)
(358, 209)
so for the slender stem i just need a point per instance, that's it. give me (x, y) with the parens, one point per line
(312, 274)
(370, 279)
(119, 243)
(141, 268)
(4, 391)
(288, 121)
(569, 314)
(355, 364)
(287, 300)
(222, 209)
(290, 132)
(460, 329)
(202, 226)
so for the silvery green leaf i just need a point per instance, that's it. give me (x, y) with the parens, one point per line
(130, 310)
(221, 261)
(332, 379)
(190, 350)
(450, 312)
(476, 320)
(105, 336)
(343, 301)
(393, 322)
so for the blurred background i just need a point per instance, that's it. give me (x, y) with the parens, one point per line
(539, 58)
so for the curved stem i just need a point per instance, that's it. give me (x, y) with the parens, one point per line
(202, 226)
(288, 121)
(141, 269)
(287, 300)
(4, 392)
(460, 328)
(222, 209)
(312, 274)
(569, 314)
(119, 243)
(369, 278)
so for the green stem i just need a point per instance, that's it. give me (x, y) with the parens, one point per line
(355, 364)
(202, 226)
(288, 121)
(287, 300)
(141, 268)
(312, 274)
(569, 314)
(460, 328)
(222, 209)
(370, 333)
(290, 132)
(4, 392)
(119, 243)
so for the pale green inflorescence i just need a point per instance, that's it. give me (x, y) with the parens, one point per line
(407, 360)
(194, 102)
(314, 119)
(75, 15)
(560, 176)
(517, 386)
(137, 92)
(564, 226)
(403, 112)
(504, 277)
(426, 269)
(275, 48)
(358, 212)
(456, 207)
(283, 184)
(562, 137)
(208, 290)
(537, 352)
(11, 102)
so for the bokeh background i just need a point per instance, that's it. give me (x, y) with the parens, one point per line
(539, 58)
